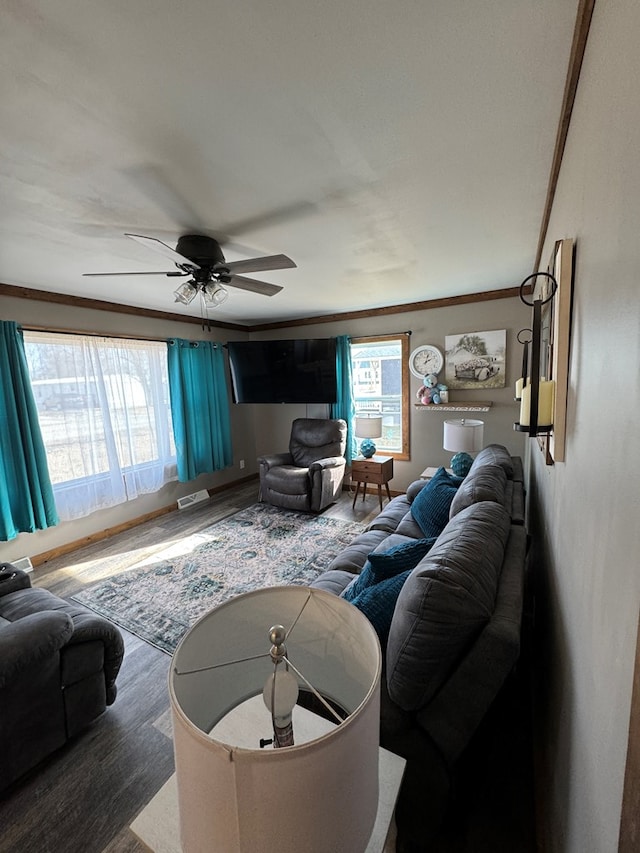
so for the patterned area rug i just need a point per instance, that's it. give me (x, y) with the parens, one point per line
(160, 598)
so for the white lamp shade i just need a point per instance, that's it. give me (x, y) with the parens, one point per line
(464, 435)
(369, 426)
(320, 794)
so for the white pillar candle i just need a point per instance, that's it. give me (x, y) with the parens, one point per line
(519, 386)
(525, 405)
(546, 401)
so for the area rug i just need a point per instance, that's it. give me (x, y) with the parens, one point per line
(160, 598)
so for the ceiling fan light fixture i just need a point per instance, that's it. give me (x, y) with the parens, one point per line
(186, 293)
(214, 294)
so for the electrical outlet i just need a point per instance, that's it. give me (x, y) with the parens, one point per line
(241, 464)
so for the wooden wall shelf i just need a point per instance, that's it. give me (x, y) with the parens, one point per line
(455, 407)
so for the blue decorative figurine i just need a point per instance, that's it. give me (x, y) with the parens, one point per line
(367, 448)
(460, 464)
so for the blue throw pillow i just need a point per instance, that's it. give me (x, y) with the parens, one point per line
(430, 508)
(377, 603)
(363, 580)
(385, 564)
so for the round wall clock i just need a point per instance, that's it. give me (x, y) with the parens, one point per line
(425, 359)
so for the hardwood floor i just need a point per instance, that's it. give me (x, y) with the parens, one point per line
(83, 798)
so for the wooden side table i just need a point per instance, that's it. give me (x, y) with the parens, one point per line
(377, 470)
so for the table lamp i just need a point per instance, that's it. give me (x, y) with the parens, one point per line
(368, 427)
(463, 436)
(238, 792)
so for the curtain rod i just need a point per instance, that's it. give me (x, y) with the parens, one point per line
(408, 333)
(29, 328)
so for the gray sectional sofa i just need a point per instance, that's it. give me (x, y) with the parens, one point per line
(454, 633)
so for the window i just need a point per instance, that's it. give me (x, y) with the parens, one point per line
(381, 386)
(104, 411)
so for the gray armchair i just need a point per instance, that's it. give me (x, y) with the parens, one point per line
(309, 477)
(58, 667)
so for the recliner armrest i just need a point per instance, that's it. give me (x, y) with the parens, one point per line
(88, 627)
(12, 579)
(327, 462)
(274, 459)
(30, 641)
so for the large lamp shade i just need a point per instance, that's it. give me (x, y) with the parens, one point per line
(368, 427)
(463, 436)
(321, 793)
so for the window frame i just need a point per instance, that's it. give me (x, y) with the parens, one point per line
(403, 455)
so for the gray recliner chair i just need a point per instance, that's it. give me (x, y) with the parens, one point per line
(309, 477)
(58, 668)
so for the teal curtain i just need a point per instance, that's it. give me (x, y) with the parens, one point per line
(199, 407)
(344, 406)
(26, 495)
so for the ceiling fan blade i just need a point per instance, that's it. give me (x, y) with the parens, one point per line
(270, 262)
(153, 183)
(270, 218)
(158, 246)
(161, 272)
(253, 285)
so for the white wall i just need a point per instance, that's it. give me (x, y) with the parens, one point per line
(585, 513)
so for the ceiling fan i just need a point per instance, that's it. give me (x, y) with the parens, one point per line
(201, 258)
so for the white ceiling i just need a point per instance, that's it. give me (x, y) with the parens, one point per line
(397, 151)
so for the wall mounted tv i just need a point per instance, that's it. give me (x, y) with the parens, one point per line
(298, 371)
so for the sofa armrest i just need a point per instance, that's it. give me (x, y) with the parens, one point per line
(414, 488)
(274, 459)
(30, 641)
(12, 579)
(327, 462)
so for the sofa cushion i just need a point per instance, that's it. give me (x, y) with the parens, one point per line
(335, 581)
(378, 601)
(488, 483)
(445, 603)
(353, 557)
(409, 527)
(430, 508)
(494, 454)
(383, 564)
(391, 515)
(359, 583)
(288, 480)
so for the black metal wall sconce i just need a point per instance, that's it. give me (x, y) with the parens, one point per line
(535, 392)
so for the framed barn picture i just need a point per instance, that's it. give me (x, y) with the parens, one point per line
(476, 360)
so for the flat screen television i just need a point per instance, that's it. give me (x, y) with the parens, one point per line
(297, 371)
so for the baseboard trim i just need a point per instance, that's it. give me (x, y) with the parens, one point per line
(61, 550)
